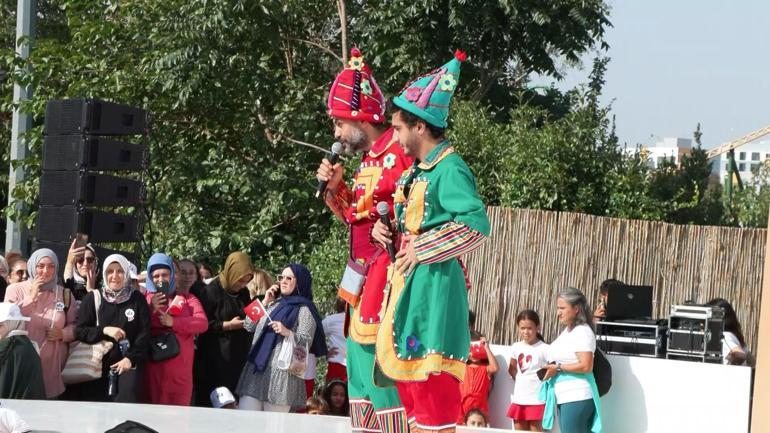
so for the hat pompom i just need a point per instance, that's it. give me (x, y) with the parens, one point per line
(355, 52)
(461, 55)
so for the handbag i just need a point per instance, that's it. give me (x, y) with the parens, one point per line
(163, 346)
(602, 372)
(352, 282)
(292, 358)
(84, 362)
(298, 365)
(285, 352)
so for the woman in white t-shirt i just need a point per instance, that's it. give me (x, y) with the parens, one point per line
(570, 384)
(734, 349)
(530, 354)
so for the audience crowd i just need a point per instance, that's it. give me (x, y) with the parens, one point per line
(178, 334)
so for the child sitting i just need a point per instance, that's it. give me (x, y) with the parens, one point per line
(336, 395)
(316, 406)
(475, 418)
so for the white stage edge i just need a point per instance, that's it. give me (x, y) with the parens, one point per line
(647, 396)
(87, 417)
(650, 395)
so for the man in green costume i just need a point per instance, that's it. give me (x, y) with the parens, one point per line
(423, 341)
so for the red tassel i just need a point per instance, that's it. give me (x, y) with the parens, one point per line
(355, 52)
(461, 56)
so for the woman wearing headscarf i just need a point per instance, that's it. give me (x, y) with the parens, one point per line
(177, 311)
(294, 316)
(21, 375)
(124, 320)
(52, 320)
(223, 348)
(81, 273)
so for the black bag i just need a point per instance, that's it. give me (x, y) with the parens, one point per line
(602, 372)
(163, 346)
(131, 427)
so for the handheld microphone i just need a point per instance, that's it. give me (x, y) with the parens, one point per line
(333, 157)
(382, 209)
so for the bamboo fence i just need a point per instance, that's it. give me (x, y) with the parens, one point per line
(532, 254)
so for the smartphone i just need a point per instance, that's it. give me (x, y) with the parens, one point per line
(81, 240)
(163, 287)
(541, 373)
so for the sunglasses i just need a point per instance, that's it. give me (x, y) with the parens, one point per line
(87, 259)
(284, 277)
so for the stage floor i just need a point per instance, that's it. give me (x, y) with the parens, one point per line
(87, 417)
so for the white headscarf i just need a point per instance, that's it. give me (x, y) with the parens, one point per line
(117, 296)
(33, 261)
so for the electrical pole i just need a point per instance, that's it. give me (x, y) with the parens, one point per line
(16, 237)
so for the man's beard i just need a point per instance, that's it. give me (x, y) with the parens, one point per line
(357, 142)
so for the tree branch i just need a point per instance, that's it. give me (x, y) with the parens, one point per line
(302, 143)
(344, 29)
(318, 45)
(275, 137)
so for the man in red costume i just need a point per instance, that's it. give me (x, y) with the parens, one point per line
(357, 108)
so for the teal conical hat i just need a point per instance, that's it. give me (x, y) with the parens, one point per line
(428, 96)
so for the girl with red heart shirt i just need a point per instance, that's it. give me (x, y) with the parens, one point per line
(529, 355)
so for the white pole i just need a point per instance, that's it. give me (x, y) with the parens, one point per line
(15, 235)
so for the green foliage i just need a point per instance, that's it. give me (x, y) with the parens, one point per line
(537, 160)
(237, 88)
(327, 261)
(234, 85)
(752, 203)
(571, 162)
(506, 40)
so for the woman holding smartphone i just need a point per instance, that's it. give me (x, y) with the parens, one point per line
(291, 316)
(173, 310)
(569, 385)
(81, 274)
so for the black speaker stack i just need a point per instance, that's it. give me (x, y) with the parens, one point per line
(92, 167)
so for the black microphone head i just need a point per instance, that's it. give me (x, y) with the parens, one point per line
(337, 148)
(382, 208)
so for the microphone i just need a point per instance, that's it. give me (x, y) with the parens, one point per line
(382, 209)
(333, 158)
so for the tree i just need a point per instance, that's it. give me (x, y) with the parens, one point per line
(506, 40)
(752, 203)
(538, 160)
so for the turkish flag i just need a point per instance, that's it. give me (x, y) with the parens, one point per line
(255, 310)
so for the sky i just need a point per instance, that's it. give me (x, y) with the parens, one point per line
(675, 63)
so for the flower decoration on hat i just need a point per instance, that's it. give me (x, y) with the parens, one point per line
(413, 94)
(356, 63)
(366, 88)
(447, 82)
